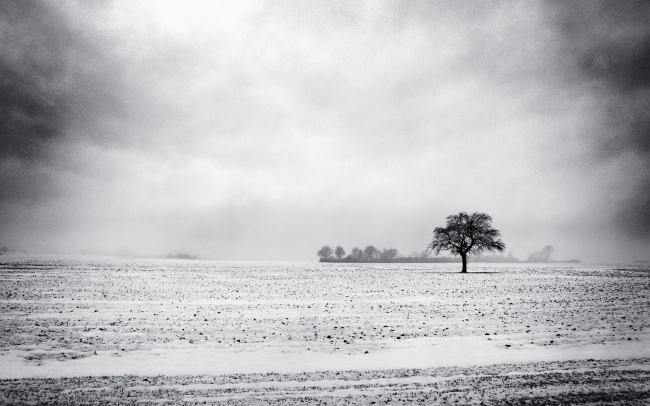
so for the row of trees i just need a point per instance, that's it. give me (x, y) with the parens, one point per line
(464, 235)
(370, 253)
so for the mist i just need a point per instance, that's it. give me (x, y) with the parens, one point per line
(263, 130)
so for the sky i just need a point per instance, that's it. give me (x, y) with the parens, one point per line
(263, 130)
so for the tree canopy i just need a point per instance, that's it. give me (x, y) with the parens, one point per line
(370, 252)
(466, 234)
(325, 252)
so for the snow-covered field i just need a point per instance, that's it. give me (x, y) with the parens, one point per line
(80, 330)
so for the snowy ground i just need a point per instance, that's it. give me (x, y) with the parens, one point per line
(354, 333)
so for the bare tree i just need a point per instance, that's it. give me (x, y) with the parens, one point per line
(466, 234)
(356, 254)
(547, 251)
(325, 252)
(370, 252)
(339, 252)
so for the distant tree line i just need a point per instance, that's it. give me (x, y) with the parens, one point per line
(370, 253)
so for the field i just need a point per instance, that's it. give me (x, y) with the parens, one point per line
(101, 330)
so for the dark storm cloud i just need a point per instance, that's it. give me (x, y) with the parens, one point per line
(609, 44)
(34, 106)
(34, 98)
(623, 63)
(54, 74)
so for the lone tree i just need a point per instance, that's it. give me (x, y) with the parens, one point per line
(466, 234)
(325, 252)
(339, 252)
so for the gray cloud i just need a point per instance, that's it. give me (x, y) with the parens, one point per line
(609, 44)
(60, 87)
(34, 108)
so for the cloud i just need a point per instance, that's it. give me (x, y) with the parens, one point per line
(33, 72)
(55, 74)
(609, 45)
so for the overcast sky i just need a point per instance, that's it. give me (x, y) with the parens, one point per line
(263, 130)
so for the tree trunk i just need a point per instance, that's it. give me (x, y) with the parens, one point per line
(464, 258)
